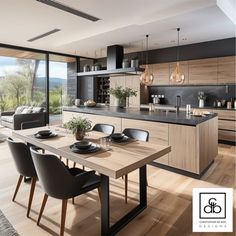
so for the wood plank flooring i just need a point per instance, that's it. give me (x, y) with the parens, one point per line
(169, 209)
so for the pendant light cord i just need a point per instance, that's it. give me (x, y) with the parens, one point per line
(146, 49)
(178, 29)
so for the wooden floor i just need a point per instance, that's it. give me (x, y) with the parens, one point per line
(169, 209)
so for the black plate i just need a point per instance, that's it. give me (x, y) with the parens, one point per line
(123, 140)
(45, 133)
(93, 148)
(45, 137)
(83, 145)
(117, 136)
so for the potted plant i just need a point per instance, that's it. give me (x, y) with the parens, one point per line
(122, 94)
(134, 62)
(78, 126)
(201, 98)
(125, 63)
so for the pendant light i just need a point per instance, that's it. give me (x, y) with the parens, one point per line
(177, 76)
(146, 77)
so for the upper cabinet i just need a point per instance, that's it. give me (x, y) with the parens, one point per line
(161, 73)
(203, 71)
(226, 70)
(183, 66)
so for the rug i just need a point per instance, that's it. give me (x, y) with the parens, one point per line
(6, 229)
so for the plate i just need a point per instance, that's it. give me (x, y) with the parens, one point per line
(83, 144)
(44, 133)
(93, 148)
(45, 137)
(117, 136)
(123, 140)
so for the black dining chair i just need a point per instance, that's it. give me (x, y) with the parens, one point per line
(62, 183)
(25, 167)
(104, 128)
(138, 134)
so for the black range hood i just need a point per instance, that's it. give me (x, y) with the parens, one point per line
(115, 55)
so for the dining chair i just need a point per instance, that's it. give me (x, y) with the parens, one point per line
(25, 167)
(138, 134)
(63, 182)
(104, 128)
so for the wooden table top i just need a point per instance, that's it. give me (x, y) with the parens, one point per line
(121, 159)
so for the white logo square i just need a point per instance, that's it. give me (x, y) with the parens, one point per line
(212, 210)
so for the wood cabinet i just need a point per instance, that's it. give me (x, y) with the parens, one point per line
(226, 70)
(184, 67)
(161, 73)
(227, 125)
(182, 140)
(158, 133)
(203, 71)
(226, 115)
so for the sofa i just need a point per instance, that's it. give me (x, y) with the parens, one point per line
(24, 116)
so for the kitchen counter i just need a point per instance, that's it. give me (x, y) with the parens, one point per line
(134, 113)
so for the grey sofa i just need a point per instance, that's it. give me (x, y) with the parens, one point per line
(15, 120)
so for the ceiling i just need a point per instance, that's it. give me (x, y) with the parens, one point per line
(122, 22)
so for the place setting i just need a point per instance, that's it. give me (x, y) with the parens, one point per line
(45, 134)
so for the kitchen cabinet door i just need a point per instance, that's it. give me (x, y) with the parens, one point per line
(161, 73)
(115, 82)
(203, 71)
(226, 70)
(133, 82)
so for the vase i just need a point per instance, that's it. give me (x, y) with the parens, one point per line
(79, 135)
(201, 103)
(122, 102)
(134, 63)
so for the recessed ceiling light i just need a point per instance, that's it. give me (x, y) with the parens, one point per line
(66, 8)
(43, 35)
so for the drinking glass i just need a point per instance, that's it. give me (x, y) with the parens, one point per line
(105, 142)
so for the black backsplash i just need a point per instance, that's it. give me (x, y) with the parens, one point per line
(189, 94)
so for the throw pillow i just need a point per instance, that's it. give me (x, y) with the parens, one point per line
(37, 109)
(20, 109)
(26, 111)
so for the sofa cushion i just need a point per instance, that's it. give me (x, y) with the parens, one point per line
(7, 119)
(20, 109)
(26, 111)
(37, 109)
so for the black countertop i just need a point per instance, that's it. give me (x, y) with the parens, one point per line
(135, 113)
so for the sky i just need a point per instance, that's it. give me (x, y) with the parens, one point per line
(57, 69)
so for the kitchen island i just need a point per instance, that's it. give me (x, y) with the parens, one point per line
(193, 140)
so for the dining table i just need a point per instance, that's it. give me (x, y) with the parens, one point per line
(113, 161)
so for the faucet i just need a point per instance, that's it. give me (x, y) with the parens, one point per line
(178, 103)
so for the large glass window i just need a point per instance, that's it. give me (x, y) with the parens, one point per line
(22, 79)
(62, 85)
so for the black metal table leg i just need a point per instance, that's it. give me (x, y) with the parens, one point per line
(105, 204)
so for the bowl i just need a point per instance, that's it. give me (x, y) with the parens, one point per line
(83, 144)
(44, 133)
(117, 136)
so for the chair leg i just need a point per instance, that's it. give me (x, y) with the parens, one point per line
(99, 193)
(73, 200)
(74, 164)
(60, 157)
(83, 167)
(67, 162)
(32, 188)
(63, 216)
(17, 187)
(45, 198)
(126, 188)
(43, 151)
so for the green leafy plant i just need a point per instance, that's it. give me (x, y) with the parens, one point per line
(78, 124)
(201, 95)
(122, 93)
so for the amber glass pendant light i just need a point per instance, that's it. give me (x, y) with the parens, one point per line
(177, 76)
(146, 77)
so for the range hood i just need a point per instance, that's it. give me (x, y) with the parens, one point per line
(115, 55)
